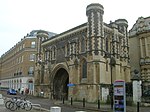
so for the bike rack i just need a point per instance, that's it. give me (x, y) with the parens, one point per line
(36, 105)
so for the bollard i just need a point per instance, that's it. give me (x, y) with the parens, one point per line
(98, 104)
(63, 100)
(1, 100)
(83, 102)
(138, 106)
(71, 100)
(55, 109)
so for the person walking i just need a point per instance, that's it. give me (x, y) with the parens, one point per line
(22, 90)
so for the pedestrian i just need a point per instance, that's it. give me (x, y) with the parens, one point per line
(18, 90)
(26, 91)
(22, 90)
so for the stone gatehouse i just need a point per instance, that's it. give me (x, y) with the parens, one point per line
(84, 61)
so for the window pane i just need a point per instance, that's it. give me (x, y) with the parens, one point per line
(31, 71)
(84, 70)
(32, 44)
(32, 57)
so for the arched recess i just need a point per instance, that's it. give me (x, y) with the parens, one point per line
(60, 81)
(83, 66)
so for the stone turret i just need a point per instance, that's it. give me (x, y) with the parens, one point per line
(41, 36)
(122, 25)
(95, 32)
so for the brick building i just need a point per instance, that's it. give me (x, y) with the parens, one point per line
(18, 64)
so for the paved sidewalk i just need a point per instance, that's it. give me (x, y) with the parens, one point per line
(103, 107)
(89, 107)
(4, 109)
(34, 108)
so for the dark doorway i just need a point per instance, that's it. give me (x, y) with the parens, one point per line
(60, 82)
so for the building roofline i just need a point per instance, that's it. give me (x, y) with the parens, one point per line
(65, 32)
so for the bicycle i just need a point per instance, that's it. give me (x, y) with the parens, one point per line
(16, 103)
(8, 104)
(25, 104)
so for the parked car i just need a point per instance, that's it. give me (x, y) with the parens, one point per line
(11, 91)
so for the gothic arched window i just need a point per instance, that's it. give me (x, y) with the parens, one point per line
(84, 69)
(53, 53)
(67, 49)
(83, 44)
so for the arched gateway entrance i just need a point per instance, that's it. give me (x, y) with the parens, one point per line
(60, 81)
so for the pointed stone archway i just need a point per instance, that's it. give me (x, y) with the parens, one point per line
(60, 81)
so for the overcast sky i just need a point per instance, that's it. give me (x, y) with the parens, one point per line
(19, 17)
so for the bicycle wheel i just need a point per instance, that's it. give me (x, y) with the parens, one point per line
(22, 106)
(7, 104)
(13, 106)
(28, 106)
(18, 103)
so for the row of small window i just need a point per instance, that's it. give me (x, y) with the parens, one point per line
(33, 45)
(19, 71)
(19, 48)
(30, 73)
(69, 49)
(20, 59)
(144, 60)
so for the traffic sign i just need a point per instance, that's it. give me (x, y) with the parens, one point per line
(70, 85)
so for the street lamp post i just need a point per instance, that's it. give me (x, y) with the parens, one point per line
(112, 64)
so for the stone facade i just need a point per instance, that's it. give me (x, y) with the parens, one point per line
(83, 62)
(139, 37)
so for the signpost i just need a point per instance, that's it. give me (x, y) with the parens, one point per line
(71, 85)
(119, 96)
